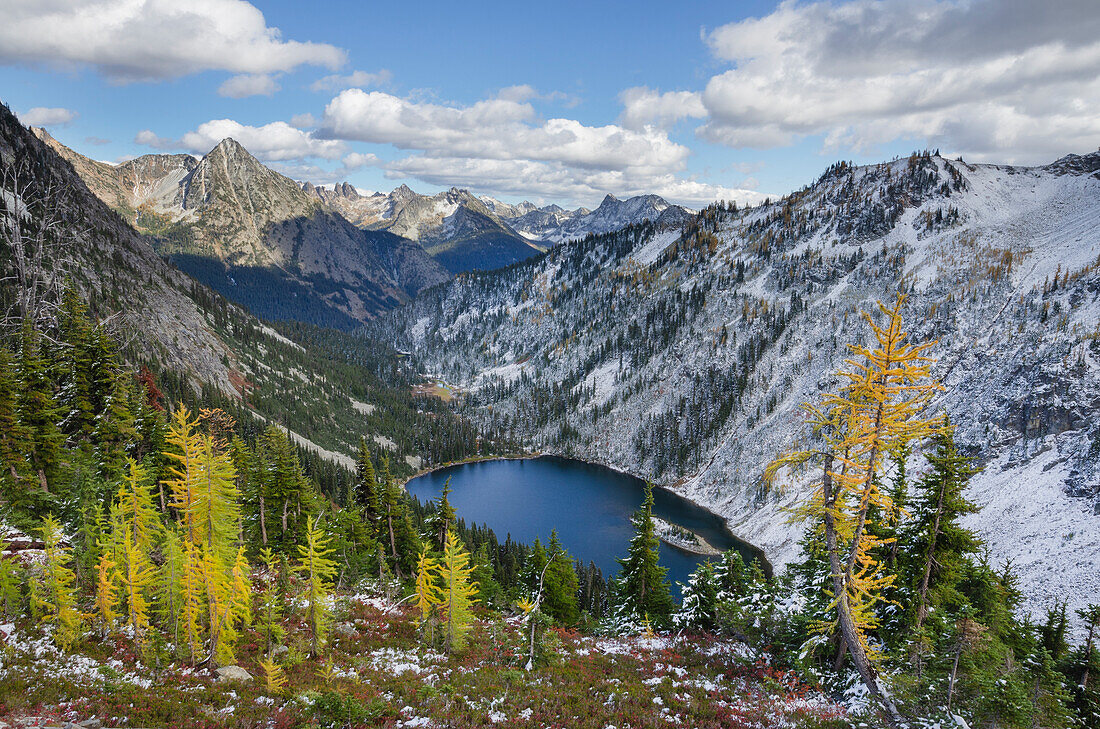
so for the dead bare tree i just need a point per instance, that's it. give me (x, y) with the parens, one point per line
(34, 228)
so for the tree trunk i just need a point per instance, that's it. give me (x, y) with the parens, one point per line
(393, 545)
(263, 521)
(841, 654)
(954, 672)
(848, 630)
(922, 599)
(1088, 657)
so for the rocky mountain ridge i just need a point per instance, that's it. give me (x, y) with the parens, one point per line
(256, 237)
(683, 354)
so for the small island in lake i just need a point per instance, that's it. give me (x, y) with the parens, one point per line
(679, 537)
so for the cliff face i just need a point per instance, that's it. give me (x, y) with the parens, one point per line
(110, 263)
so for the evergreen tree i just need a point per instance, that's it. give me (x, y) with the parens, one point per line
(38, 414)
(442, 519)
(14, 439)
(941, 542)
(1088, 657)
(366, 483)
(699, 600)
(560, 584)
(642, 588)
(396, 528)
(1053, 632)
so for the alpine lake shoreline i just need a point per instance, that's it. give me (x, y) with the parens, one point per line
(671, 534)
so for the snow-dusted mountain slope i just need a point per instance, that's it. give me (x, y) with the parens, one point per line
(552, 224)
(459, 230)
(683, 354)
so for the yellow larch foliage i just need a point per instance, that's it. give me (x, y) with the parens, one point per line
(274, 678)
(134, 504)
(137, 580)
(106, 593)
(458, 593)
(192, 598)
(429, 594)
(59, 597)
(880, 407)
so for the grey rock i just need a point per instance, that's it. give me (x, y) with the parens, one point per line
(233, 673)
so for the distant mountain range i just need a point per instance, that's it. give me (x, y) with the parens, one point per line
(465, 232)
(329, 255)
(455, 227)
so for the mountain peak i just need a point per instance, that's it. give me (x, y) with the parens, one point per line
(229, 143)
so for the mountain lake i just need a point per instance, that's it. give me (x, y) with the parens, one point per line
(589, 505)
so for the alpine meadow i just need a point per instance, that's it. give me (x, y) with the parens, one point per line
(542, 367)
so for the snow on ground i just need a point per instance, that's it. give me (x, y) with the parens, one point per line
(506, 373)
(342, 458)
(419, 329)
(49, 661)
(603, 380)
(655, 246)
(1013, 371)
(1052, 539)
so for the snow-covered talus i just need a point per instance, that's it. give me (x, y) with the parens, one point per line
(685, 357)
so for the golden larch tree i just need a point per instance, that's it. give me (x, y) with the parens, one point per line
(886, 389)
(458, 594)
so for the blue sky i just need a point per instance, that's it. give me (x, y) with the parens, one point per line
(560, 103)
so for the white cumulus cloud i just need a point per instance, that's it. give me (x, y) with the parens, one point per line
(643, 106)
(993, 79)
(495, 129)
(140, 40)
(277, 141)
(356, 79)
(42, 116)
(248, 84)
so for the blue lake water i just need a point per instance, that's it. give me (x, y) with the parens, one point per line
(589, 505)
